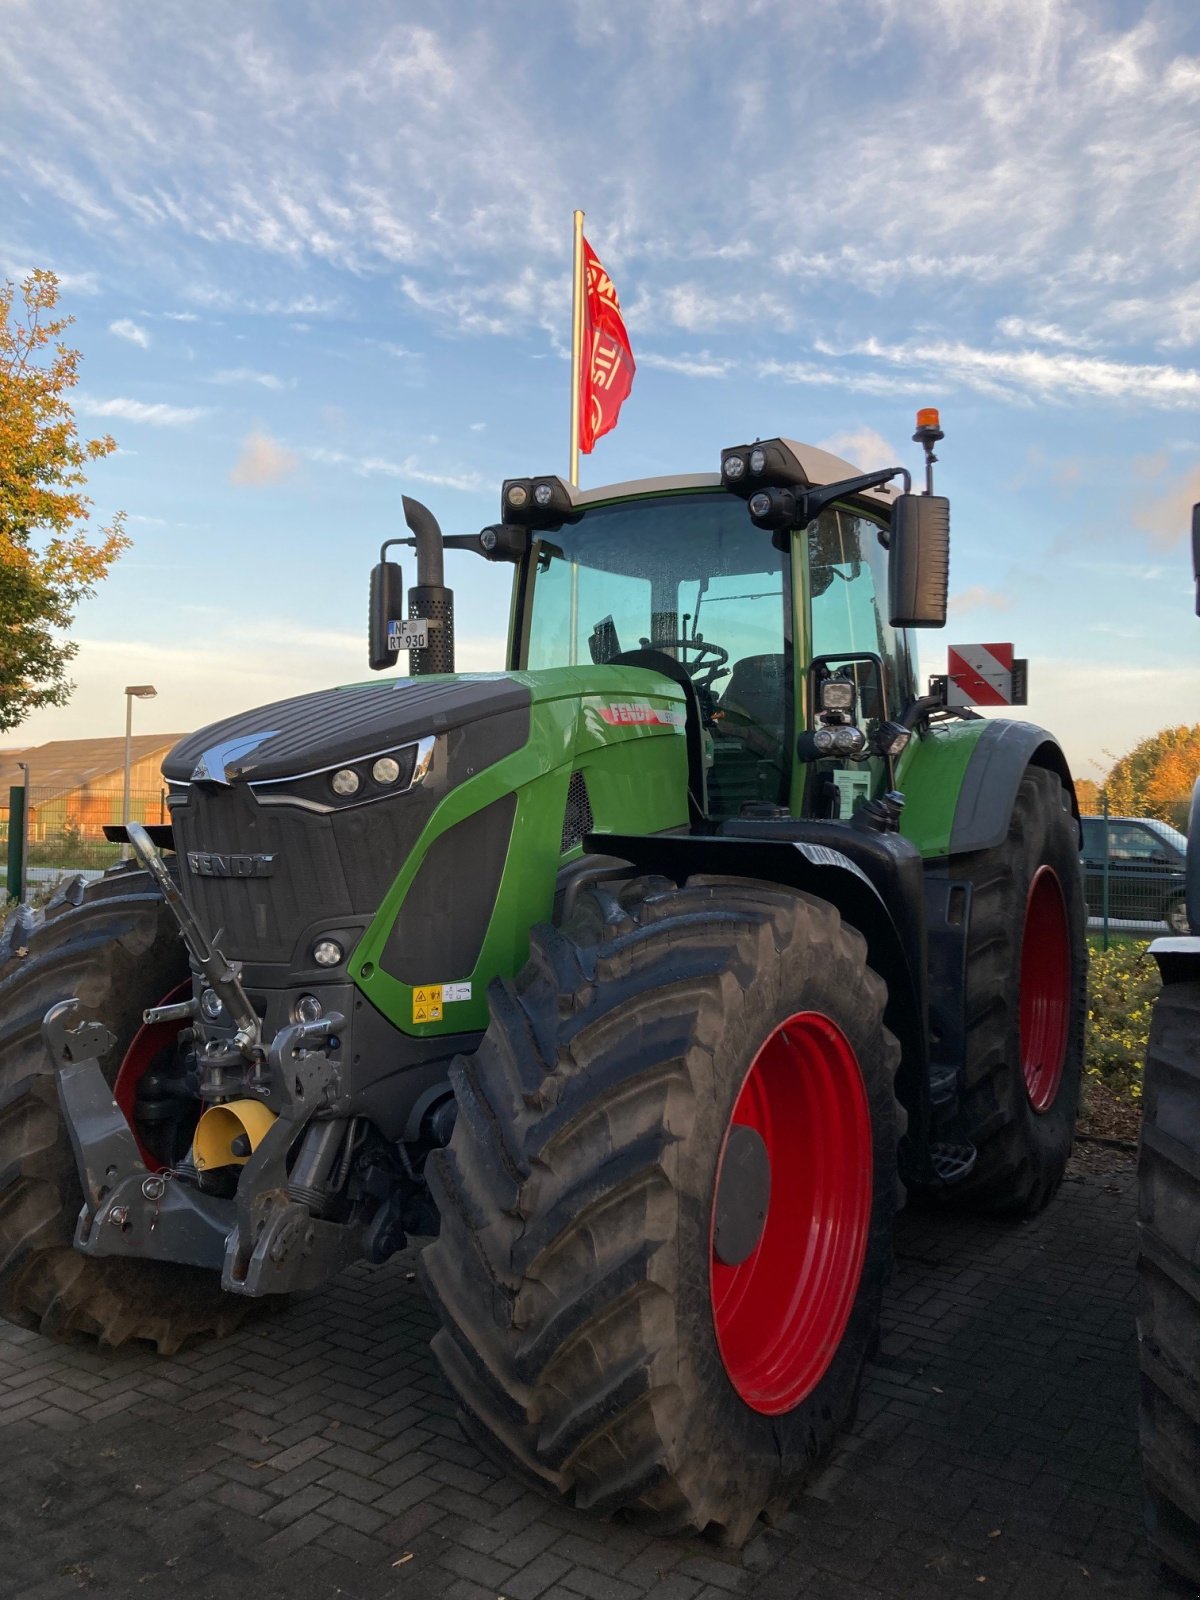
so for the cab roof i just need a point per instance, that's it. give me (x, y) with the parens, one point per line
(820, 467)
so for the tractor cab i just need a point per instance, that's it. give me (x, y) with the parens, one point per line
(781, 625)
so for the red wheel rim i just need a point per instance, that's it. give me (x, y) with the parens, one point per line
(145, 1047)
(780, 1314)
(1045, 989)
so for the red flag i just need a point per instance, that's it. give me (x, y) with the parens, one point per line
(607, 368)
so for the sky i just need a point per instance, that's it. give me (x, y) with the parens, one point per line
(319, 257)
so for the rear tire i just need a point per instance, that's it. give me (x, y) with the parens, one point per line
(574, 1275)
(1026, 1003)
(1169, 1279)
(118, 951)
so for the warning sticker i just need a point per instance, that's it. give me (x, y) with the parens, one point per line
(456, 991)
(427, 1003)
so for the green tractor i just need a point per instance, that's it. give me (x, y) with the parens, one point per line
(648, 975)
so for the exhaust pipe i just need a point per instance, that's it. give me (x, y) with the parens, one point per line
(429, 597)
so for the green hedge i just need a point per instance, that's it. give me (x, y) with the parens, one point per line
(1123, 984)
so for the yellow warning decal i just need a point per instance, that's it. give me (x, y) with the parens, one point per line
(427, 1003)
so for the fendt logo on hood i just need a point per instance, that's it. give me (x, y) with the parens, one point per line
(206, 864)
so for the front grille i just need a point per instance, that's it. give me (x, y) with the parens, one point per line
(261, 916)
(577, 820)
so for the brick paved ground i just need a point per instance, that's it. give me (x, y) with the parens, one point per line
(315, 1454)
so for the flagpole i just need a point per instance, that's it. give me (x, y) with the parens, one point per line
(576, 344)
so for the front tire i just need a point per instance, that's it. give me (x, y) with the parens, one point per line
(1169, 1279)
(118, 951)
(602, 1326)
(1025, 1004)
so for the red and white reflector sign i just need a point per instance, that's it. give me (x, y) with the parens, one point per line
(985, 675)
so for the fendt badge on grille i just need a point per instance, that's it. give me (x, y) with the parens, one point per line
(205, 864)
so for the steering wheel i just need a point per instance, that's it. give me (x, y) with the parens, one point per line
(705, 669)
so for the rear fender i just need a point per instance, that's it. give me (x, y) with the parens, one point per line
(961, 781)
(826, 871)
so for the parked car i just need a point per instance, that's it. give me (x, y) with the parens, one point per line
(1146, 870)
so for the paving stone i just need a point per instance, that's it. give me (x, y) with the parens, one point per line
(307, 1453)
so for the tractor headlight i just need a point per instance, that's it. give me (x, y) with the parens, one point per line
(210, 1005)
(327, 952)
(849, 741)
(537, 503)
(345, 782)
(307, 1008)
(772, 508)
(733, 467)
(835, 694)
(822, 740)
(386, 770)
(758, 462)
(891, 738)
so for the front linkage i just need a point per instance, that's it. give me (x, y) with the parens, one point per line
(265, 1239)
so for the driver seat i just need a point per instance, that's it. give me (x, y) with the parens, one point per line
(759, 687)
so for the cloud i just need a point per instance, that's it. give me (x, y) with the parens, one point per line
(1025, 374)
(840, 377)
(1039, 332)
(1051, 144)
(977, 598)
(863, 447)
(696, 307)
(701, 365)
(179, 316)
(265, 380)
(68, 282)
(158, 414)
(126, 328)
(263, 461)
(410, 468)
(1166, 518)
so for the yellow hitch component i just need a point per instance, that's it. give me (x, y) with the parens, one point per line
(241, 1123)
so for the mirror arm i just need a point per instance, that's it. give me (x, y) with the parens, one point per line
(385, 547)
(812, 502)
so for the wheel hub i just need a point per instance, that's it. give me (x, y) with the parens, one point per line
(743, 1195)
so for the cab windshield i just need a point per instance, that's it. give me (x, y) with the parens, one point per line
(688, 575)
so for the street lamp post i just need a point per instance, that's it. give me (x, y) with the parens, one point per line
(134, 691)
(24, 766)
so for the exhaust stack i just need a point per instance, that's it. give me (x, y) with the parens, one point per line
(429, 596)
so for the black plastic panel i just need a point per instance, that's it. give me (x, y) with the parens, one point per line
(440, 930)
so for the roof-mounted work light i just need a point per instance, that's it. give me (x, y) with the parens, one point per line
(537, 503)
(768, 463)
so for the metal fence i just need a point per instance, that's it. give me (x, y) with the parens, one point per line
(64, 833)
(1134, 872)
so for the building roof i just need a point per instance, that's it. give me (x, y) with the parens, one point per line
(66, 764)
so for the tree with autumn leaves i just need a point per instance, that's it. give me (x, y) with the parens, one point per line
(49, 558)
(1155, 779)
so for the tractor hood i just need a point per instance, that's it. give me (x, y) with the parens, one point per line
(317, 731)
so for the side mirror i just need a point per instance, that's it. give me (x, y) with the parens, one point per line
(919, 561)
(386, 613)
